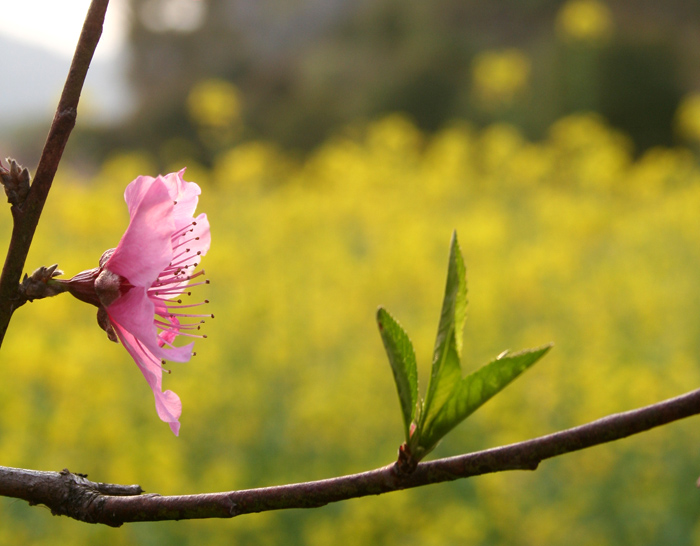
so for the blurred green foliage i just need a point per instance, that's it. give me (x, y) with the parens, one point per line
(570, 240)
(305, 68)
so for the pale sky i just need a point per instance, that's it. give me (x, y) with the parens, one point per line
(56, 24)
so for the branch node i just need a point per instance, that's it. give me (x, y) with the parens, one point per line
(233, 510)
(68, 116)
(406, 463)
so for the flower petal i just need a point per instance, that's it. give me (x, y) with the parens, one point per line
(134, 312)
(134, 192)
(202, 233)
(168, 404)
(185, 194)
(145, 249)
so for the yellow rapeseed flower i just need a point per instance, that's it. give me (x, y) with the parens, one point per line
(214, 103)
(500, 76)
(584, 21)
(688, 118)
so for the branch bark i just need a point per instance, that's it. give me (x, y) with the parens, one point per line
(26, 215)
(73, 495)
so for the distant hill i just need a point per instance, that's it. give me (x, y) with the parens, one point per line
(32, 79)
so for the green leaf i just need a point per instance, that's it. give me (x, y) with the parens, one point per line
(449, 398)
(402, 358)
(446, 372)
(474, 390)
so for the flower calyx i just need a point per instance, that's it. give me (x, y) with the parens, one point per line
(106, 325)
(108, 287)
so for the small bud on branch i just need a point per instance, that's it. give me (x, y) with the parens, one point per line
(37, 285)
(15, 181)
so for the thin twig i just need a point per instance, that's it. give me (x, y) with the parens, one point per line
(74, 496)
(26, 215)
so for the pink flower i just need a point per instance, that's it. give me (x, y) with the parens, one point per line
(137, 283)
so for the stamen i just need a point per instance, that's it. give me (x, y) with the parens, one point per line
(174, 264)
(171, 327)
(180, 243)
(173, 285)
(175, 289)
(186, 315)
(183, 229)
(182, 333)
(185, 306)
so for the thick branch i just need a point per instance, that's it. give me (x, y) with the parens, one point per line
(26, 215)
(73, 495)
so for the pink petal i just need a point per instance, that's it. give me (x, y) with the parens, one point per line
(135, 191)
(168, 336)
(168, 404)
(202, 232)
(185, 194)
(134, 312)
(145, 249)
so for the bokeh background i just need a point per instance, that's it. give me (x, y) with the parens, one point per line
(338, 144)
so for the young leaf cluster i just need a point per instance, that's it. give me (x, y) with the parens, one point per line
(449, 398)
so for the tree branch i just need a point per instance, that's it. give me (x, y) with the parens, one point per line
(26, 214)
(74, 496)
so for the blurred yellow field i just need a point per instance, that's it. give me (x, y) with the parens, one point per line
(570, 240)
